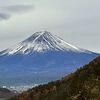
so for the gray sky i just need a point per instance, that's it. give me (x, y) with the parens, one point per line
(76, 21)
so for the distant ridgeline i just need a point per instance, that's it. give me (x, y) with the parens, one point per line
(5, 93)
(84, 84)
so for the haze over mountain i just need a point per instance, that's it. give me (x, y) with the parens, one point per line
(40, 58)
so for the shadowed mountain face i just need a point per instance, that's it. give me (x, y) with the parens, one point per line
(41, 58)
(84, 84)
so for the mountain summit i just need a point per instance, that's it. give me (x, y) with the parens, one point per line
(41, 42)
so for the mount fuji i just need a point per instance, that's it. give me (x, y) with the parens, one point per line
(41, 42)
(40, 58)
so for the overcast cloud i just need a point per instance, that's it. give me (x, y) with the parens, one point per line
(7, 11)
(76, 21)
(17, 8)
(4, 16)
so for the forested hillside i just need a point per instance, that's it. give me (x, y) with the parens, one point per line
(84, 84)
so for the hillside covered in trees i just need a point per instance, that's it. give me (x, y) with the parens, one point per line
(84, 84)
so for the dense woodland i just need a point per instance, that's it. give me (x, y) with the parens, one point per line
(84, 84)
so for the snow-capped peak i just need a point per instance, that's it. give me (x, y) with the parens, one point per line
(41, 42)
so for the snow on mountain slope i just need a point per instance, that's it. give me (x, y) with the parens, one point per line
(41, 42)
(40, 58)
